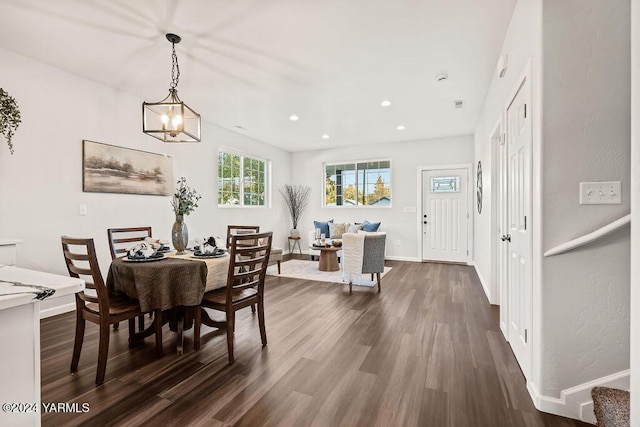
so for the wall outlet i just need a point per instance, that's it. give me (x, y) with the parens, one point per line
(409, 209)
(82, 209)
(601, 193)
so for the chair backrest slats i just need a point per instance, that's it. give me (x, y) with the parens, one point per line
(84, 250)
(240, 229)
(248, 264)
(120, 239)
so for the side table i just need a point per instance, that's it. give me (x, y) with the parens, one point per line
(296, 241)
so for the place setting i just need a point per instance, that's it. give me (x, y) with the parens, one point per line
(147, 251)
(207, 248)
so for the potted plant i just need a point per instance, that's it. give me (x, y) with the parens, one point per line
(9, 117)
(185, 200)
(296, 197)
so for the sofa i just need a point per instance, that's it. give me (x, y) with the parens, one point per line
(364, 226)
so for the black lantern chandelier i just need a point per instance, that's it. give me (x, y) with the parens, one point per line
(171, 120)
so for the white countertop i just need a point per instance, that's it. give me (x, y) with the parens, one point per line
(63, 285)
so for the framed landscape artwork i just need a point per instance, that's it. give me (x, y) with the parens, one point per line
(111, 169)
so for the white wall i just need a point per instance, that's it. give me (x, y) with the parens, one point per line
(41, 184)
(522, 44)
(586, 134)
(406, 157)
(635, 213)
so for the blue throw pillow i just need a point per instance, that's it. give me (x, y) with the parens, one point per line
(323, 226)
(370, 226)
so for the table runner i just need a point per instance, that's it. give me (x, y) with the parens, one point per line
(217, 269)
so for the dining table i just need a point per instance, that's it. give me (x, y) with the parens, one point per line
(170, 286)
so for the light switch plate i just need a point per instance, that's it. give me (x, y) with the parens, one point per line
(601, 193)
(82, 209)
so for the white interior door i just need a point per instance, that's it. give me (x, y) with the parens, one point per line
(503, 230)
(445, 215)
(518, 239)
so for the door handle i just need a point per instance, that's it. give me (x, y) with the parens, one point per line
(424, 222)
(506, 238)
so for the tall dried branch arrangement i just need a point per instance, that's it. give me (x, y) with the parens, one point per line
(297, 198)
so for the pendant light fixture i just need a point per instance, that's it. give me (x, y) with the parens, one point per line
(171, 120)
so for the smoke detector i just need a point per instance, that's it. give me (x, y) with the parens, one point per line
(441, 77)
(457, 103)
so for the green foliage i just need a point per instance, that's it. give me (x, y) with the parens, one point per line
(380, 190)
(10, 117)
(185, 199)
(330, 191)
(250, 178)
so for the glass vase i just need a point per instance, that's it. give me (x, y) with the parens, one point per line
(179, 235)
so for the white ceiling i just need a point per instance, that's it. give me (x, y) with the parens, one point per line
(253, 63)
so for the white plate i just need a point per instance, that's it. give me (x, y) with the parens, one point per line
(144, 259)
(208, 256)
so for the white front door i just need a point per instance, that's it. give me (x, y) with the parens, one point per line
(445, 215)
(518, 239)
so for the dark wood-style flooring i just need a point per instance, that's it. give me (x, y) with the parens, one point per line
(427, 351)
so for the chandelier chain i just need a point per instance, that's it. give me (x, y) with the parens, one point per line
(175, 68)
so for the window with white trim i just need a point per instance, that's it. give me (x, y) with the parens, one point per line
(366, 183)
(242, 180)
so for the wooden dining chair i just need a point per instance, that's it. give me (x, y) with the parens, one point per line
(120, 240)
(233, 230)
(276, 253)
(102, 309)
(249, 257)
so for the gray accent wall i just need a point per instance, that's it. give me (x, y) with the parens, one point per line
(579, 53)
(586, 137)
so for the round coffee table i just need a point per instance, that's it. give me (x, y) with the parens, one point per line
(328, 258)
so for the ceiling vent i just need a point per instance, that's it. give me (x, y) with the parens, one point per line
(457, 103)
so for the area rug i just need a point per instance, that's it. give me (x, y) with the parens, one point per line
(308, 270)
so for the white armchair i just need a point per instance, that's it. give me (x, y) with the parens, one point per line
(363, 254)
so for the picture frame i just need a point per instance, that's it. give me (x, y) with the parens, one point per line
(112, 169)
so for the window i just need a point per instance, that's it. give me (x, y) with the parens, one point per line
(449, 184)
(358, 184)
(241, 180)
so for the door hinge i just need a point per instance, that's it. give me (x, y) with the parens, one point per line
(525, 111)
(467, 253)
(525, 336)
(467, 215)
(503, 138)
(525, 223)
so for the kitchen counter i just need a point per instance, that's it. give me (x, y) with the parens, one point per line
(20, 335)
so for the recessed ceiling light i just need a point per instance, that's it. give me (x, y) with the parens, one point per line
(457, 103)
(325, 136)
(442, 77)
(293, 118)
(401, 127)
(240, 127)
(385, 103)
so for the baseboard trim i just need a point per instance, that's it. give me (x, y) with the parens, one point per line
(59, 309)
(482, 282)
(575, 402)
(401, 258)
